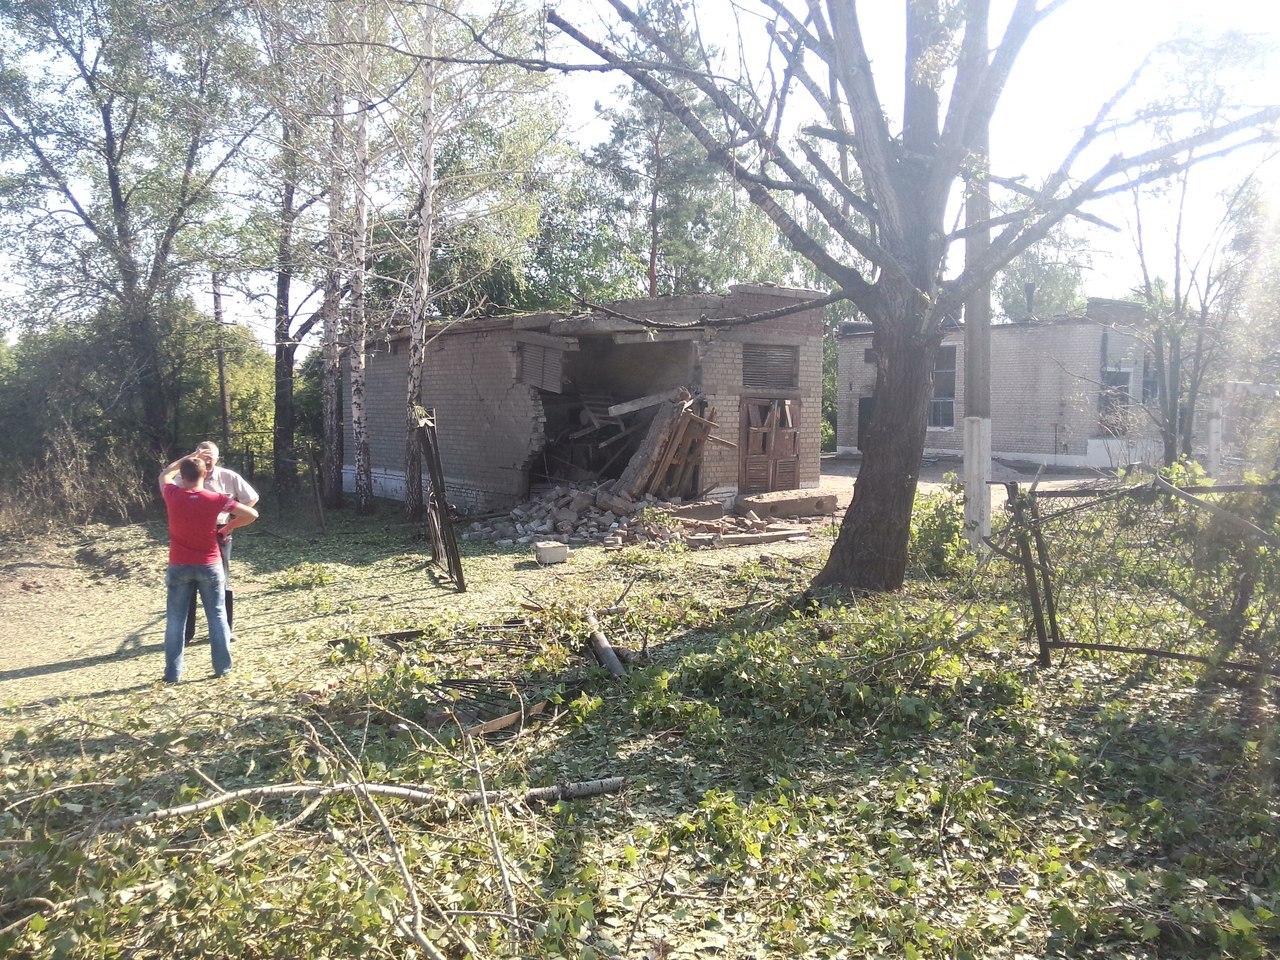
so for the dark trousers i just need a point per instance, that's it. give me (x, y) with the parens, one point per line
(224, 548)
(229, 600)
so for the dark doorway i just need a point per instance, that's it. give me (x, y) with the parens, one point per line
(866, 407)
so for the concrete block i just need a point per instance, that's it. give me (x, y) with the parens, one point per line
(549, 551)
(787, 503)
(701, 510)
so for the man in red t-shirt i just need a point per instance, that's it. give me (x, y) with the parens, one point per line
(195, 563)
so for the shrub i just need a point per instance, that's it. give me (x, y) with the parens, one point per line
(938, 546)
(73, 483)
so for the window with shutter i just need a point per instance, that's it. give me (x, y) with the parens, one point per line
(541, 366)
(769, 368)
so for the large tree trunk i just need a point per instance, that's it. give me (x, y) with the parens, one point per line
(1196, 379)
(871, 552)
(143, 338)
(286, 466)
(654, 194)
(1170, 429)
(331, 361)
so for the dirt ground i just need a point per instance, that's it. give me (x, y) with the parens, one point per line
(840, 471)
(82, 611)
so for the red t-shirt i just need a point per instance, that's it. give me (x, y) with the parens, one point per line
(193, 516)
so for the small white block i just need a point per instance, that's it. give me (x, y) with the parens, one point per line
(549, 551)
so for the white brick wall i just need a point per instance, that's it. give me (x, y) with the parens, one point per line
(1044, 390)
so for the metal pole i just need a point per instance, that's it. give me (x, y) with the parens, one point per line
(977, 348)
(224, 397)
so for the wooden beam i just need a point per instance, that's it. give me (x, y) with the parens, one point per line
(660, 336)
(640, 403)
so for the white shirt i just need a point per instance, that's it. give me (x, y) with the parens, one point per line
(228, 482)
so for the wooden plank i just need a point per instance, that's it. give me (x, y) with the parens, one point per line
(659, 485)
(516, 718)
(684, 483)
(641, 403)
(618, 436)
(589, 428)
(641, 465)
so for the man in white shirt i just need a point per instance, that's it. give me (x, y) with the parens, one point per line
(228, 482)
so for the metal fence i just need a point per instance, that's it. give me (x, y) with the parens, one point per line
(1187, 573)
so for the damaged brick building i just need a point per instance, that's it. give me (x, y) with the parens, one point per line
(553, 397)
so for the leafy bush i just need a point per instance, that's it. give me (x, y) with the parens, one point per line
(74, 484)
(938, 546)
(828, 436)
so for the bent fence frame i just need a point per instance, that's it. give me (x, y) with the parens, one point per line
(1032, 556)
(444, 543)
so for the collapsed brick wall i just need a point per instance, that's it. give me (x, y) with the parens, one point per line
(491, 425)
(488, 423)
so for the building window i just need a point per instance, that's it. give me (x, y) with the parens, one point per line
(869, 356)
(541, 367)
(1113, 400)
(769, 368)
(942, 410)
(1150, 382)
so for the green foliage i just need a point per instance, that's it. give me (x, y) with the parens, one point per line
(883, 778)
(72, 426)
(830, 393)
(306, 575)
(118, 121)
(679, 218)
(938, 545)
(1054, 268)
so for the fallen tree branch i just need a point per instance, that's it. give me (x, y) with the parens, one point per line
(565, 791)
(1241, 525)
(603, 650)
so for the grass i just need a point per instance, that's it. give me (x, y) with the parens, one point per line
(893, 777)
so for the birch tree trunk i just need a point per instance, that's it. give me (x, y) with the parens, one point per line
(413, 495)
(286, 466)
(331, 362)
(359, 253)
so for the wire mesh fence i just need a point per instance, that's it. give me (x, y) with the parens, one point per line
(1189, 573)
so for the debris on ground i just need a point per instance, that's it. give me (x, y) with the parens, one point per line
(580, 515)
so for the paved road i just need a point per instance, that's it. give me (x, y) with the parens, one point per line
(839, 472)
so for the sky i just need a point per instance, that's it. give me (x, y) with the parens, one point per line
(1083, 53)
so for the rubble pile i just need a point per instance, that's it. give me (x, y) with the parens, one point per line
(583, 515)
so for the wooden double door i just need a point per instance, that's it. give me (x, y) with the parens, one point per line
(769, 445)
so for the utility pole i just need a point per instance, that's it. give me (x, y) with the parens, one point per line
(221, 350)
(977, 351)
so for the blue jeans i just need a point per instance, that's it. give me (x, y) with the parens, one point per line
(224, 548)
(183, 580)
